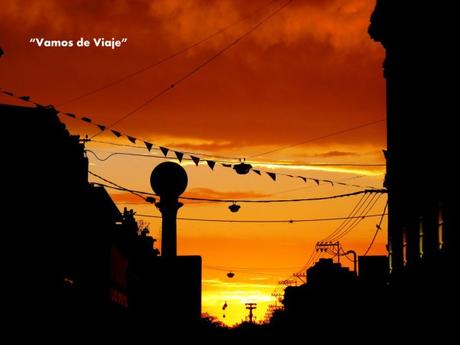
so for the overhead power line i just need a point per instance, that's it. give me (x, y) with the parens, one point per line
(180, 154)
(197, 68)
(116, 186)
(169, 57)
(355, 222)
(329, 197)
(236, 159)
(355, 211)
(112, 154)
(355, 215)
(228, 164)
(378, 228)
(318, 138)
(261, 221)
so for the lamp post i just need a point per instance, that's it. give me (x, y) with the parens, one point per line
(169, 180)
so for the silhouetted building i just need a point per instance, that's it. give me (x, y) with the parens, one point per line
(329, 287)
(419, 299)
(167, 290)
(326, 274)
(423, 224)
(77, 259)
(422, 213)
(373, 271)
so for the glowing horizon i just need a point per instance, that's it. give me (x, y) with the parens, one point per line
(310, 71)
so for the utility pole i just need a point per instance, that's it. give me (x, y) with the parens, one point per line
(251, 307)
(301, 276)
(323, 247)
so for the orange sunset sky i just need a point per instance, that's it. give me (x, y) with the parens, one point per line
(308, 71)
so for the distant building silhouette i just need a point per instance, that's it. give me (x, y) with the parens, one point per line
(326, 274)
(329, 286)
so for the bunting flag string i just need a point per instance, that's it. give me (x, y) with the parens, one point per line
(116, 186)
(241, 167)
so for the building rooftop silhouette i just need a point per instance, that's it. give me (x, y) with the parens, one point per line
(423, 226)
(80, 260)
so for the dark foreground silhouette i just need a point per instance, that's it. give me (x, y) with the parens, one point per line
(78, 268)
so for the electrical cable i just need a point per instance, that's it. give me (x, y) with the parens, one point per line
(352, 222)
(167, 58)
(356, 221)
(318, 138)
(195, 69)
(138, 194)
(378, 228)
(351, 214)
(258, 221)
(336, 196)
(258, 163)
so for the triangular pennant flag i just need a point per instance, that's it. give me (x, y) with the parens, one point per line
(179, 155)
(256, 171)
(317, 181)
(117, 134)
(303, 178)
(341, 183)
(86, 119)
(68, 114)
(165, 150)
(332, 183)
(148, 145)
(25, 98)
(50, 107)
(211, 164)
(289, 176)
(226, 165)
(195, 159)
(102, 127)
(272, 175)
(131, 139)
(8, 93)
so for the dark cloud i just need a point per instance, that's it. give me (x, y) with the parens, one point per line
(335, 154)
(209, 193)
(309, 71)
